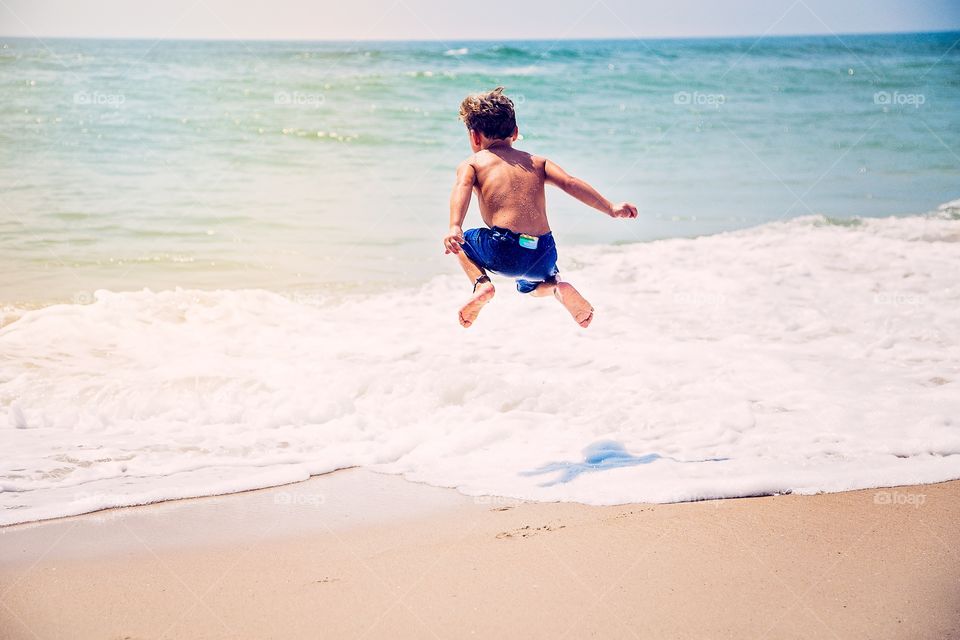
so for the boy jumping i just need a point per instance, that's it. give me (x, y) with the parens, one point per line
(517, 241)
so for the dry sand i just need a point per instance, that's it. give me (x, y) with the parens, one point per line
(360, 555)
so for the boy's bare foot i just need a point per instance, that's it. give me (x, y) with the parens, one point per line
(575, 303)
(470, 311)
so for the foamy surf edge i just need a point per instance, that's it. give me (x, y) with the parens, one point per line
(814, 355)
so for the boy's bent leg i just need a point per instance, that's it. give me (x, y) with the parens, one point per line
(544, 289)
(482, 294)
(575, 303)
(470, 267)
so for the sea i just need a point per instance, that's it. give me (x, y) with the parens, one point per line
(222, 269)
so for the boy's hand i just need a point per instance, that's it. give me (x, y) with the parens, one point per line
(453, 240)
(623, 210)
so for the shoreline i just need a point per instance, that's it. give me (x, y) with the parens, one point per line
(332, 501)
(361, 554)
(365, 486)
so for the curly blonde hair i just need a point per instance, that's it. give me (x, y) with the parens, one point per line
(489, 113)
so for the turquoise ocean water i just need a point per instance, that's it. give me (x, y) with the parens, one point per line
(325, 167)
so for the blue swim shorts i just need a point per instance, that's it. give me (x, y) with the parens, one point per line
(497, 249)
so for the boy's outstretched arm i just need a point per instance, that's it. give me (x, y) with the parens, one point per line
(585, 193)
(459, 203)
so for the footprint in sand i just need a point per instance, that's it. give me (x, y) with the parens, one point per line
(527, 531)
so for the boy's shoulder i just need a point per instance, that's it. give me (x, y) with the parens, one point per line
(485, 157)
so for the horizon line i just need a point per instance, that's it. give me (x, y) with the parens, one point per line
(484, 39)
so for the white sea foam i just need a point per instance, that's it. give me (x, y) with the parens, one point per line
(526, 70)
(812, 356)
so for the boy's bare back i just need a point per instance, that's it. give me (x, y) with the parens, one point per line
(509, 184)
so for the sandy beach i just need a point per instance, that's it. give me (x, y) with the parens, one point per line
(355, 554)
